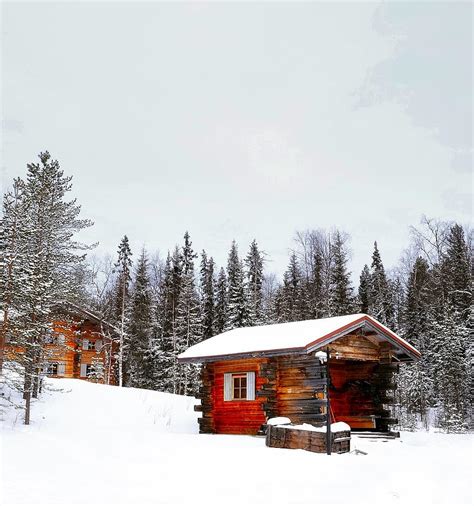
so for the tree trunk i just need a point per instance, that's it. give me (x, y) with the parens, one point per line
(27, 407)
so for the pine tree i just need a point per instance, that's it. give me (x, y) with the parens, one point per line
(380, 303)
(341, 297)
(452, 341)
(122, 295)
(140, 326)
(237, 305)
(315, 290)
(164, 345)
(44, 238)
(208, 309)
(221, 302)
(364, 290)
(188, 322)
(291, 303)
(452, 373)
(254, 264)
(457, 272)
(13, 256)
(416, 380)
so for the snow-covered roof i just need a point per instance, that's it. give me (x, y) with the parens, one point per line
(303, 336)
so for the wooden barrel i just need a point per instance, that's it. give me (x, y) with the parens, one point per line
(310, 440)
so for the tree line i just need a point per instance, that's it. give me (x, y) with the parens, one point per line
(161, 306)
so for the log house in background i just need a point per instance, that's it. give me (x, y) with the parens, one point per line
(81, 345)
(252, 374)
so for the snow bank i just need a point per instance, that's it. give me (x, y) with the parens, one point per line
(278, 420)
(87, 404)
(335, 427)
(93, 444)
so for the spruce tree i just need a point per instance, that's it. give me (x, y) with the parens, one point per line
(122, 267)
(44, 238)
(140, 327)
(13, 257)
(380, 301)
(452, 337)
(416, 380)
(164, 346)
(237, 314)
(221, 302)
(457, 272)
(364, 290)
(341, 297)
(291, 303)
(254, 272)
(316, 302)
(188, 322)
(208, 309)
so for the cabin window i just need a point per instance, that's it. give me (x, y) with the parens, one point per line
(52, 370)
(239, 386)
(88, 345)
(86, 370)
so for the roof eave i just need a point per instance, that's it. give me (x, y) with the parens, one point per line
(238, 356)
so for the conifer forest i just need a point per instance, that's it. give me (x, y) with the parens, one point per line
(163, 303)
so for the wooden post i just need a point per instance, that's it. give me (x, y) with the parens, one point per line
(328, 406)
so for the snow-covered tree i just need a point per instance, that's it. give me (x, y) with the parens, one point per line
(364, 289)
(188, 330)
(208, 309)
(291, 298)
(237, 311)
(221, 302)
(380, 299)
(140, 328)
(38, 228)
(341, 296)
(254, 271)
(123, 267)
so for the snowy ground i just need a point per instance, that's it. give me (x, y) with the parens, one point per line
(94, 444)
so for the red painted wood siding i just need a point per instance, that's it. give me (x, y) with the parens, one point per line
(237, 417)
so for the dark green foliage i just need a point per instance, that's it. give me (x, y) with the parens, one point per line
(221, 302)
(380, 297)
(188, 330)
(122, 269)
(237, 310)
(140, 327)
(341, 297)
(364, 290)
(208, 306)
(254, 265)
(291, 297)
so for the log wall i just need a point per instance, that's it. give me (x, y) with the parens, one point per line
(294, 386)
(301, 381)
(236, 416)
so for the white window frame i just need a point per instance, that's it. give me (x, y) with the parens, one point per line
(88, 345)
(229, 386)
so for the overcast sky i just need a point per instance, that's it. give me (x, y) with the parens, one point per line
(243, 120)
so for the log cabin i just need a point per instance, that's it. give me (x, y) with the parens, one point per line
(81, 345)
(252, 374)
